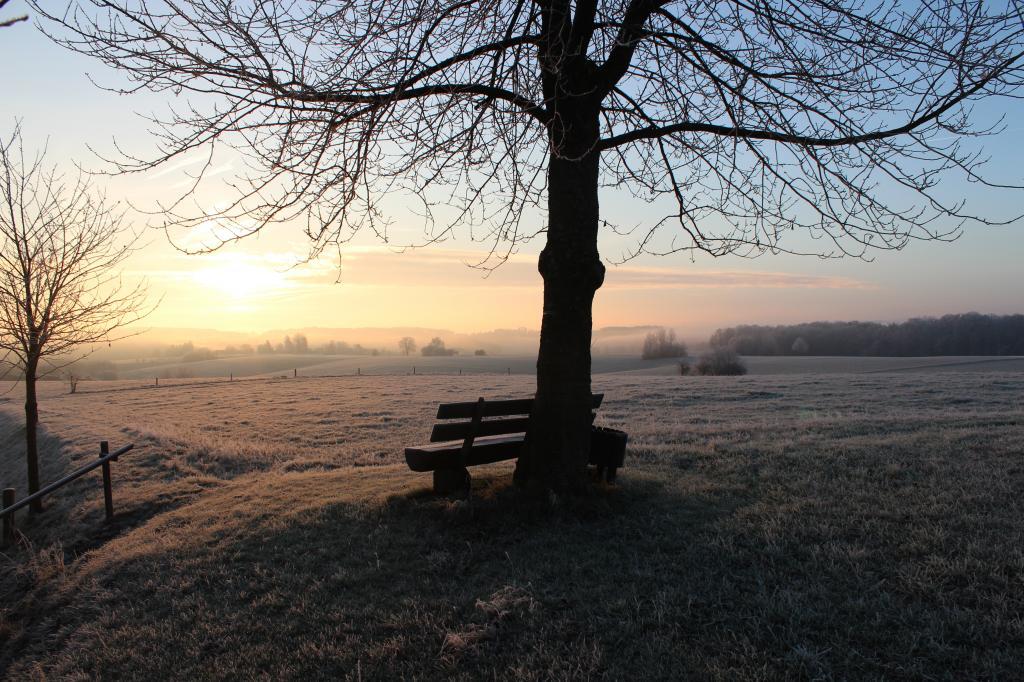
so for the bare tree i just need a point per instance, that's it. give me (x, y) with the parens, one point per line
(662, 343)
(4, 23)
(60, 246)
(407, 345)
(743, 121)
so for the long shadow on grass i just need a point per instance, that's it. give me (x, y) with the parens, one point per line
(73, 516)
(54, 462)
(46, 544)
(649, 582)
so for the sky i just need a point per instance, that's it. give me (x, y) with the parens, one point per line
(255, 285)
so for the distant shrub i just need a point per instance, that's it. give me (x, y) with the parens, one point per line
(198, 355)
(436, 347)
(104, 370)
(800, 346)
(173, 351)
(479, 351)
(662, 344)
(721, 362)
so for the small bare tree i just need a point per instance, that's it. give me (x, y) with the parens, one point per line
(60, 246)
(407, 345)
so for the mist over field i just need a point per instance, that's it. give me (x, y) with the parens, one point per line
(154, 341)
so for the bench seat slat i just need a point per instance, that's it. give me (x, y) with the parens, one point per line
(448, 455)
(446, 431)
(497, 408)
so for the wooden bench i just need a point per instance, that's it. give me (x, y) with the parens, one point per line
(490, 431)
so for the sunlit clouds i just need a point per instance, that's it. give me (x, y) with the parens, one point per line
(247, 290)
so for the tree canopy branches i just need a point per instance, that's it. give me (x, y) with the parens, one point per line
(742, 121)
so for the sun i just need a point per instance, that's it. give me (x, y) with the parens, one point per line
(240, 278)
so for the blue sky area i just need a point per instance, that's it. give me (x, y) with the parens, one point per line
(247, 287)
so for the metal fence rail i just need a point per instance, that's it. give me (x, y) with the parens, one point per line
(105, 458)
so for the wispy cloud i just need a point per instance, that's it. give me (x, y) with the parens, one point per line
(207, 174)
(448, 268)
(168, 169)
(664, 278)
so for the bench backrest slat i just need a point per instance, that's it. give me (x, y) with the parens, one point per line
(497, 408)
(495, 427)
(511, 409)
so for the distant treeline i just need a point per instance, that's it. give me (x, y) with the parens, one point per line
(299, 345)
(290, 345)
(967, 334)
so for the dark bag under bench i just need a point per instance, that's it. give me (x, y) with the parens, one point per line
(493, 431)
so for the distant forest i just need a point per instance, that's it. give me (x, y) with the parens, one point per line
(967, 334)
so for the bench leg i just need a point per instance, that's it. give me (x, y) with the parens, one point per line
(451, 481)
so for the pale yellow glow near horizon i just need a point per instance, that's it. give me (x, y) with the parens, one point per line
(240, 280)
(252, 288)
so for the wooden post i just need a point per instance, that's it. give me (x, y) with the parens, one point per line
(414, 370)
(8, 500)
(510, 371)
(231, 377)
(158, 381)
(359, 371)
(295, 372)
(460, 371)
(108, 495)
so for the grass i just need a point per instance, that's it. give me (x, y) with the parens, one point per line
(135, 374)
(807, 526)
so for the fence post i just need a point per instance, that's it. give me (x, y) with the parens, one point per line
(295, 372)
(158, 381)
(510, 371)
(359, 371)
(8, 500)
(414, 370)
(108, 496)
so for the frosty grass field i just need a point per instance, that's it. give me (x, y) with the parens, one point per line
(783, 524)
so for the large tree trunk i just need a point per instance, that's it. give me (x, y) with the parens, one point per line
(558, 438)
(31, 424)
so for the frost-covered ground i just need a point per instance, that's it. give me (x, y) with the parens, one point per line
(278, 365)
(830, 525)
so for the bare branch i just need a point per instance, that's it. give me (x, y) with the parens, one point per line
(4, 23)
